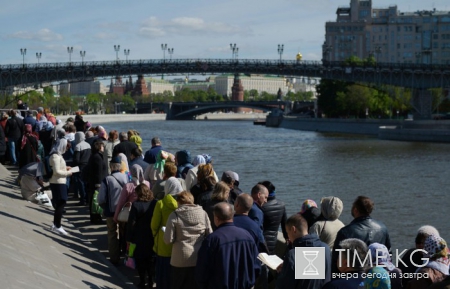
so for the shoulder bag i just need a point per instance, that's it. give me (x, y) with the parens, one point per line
(124, 213)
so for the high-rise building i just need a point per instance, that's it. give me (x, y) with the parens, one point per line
(388, 34)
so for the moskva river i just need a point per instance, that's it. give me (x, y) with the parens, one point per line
(408, 182)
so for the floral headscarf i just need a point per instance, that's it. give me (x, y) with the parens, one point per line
(28, 133)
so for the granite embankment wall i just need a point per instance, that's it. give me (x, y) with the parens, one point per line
(402, 130)
(350, 126)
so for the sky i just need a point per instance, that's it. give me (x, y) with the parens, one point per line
(194, 28)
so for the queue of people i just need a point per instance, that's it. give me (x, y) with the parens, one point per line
(190, 229)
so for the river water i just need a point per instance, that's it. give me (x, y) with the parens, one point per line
(407, 181)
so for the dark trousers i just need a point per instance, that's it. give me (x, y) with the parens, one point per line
(185, 278)
(80, 188)
(59, 209)
(163, 272)
(59, 194)
(145, 268)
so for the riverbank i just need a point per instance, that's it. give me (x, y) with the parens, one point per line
(107, 118)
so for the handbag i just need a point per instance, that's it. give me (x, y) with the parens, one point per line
(129, 262)
(124, 213)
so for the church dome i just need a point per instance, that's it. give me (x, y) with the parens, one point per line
(298, 57)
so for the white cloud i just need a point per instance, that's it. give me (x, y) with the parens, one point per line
(187, 26)
(41, 35)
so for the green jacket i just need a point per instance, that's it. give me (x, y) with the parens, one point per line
(162, 211)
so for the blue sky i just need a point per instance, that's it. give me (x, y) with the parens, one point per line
(194, 28)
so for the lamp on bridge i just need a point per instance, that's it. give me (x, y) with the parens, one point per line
(280, 50)
(117, 48)
(38, 56)
(164, 48)
(170, 50)
(23, 51)
(70, 51)
(127, 53)
(234, 51)
(82, 54)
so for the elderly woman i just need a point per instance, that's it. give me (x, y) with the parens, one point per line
(81, 156)
(206, 181)
(58, 183)
(155, 172)
(113, 140)
(220, 193)
(163, 251)
(28, 147)
(437, 268)
(382, 259)
(186, 228)
(128, 195)
(140, 233)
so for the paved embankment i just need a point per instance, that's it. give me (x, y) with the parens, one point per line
(33, 257)
(105, 118)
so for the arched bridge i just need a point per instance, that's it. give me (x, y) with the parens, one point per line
(420, 76)
(189, 110)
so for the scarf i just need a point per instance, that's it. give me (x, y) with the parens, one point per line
(28, 133)
(160, 161)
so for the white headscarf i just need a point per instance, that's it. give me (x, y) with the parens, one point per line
(59, 147)
(172, 186)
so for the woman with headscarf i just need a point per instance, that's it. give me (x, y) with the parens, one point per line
(140, 233)
(138, 141)
(163, 251)
(58, 183)
(381, 258)
(206, 181)
(81, 156)
(191, 176)
(125, 169)
(128, 195)
(113, 140)
(155, 172)
(186, 229)
(28, 147)
(437, 268)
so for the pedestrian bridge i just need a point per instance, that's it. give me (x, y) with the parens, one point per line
(421, 76)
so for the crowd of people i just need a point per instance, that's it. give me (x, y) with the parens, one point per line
(190, 229)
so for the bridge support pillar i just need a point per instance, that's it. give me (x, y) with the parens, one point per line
(422, 102)
(168, 110)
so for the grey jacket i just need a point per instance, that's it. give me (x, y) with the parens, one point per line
(109, 193)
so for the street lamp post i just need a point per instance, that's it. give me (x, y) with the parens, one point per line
(280, 50)
(70, 51)
(234, 51)
(38, 56)
(23, 51)
(127, 53)
(164, 48)
(82, 54)
(117, 48)
(170, 50)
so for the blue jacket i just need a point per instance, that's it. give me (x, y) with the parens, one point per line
(257, 215)
(227, 259)
(244, 222)
(286, 278)
(151, 154)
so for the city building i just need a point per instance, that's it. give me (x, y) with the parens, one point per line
(269, 84)
(83, 88)
(159, 86)
(388, 34)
